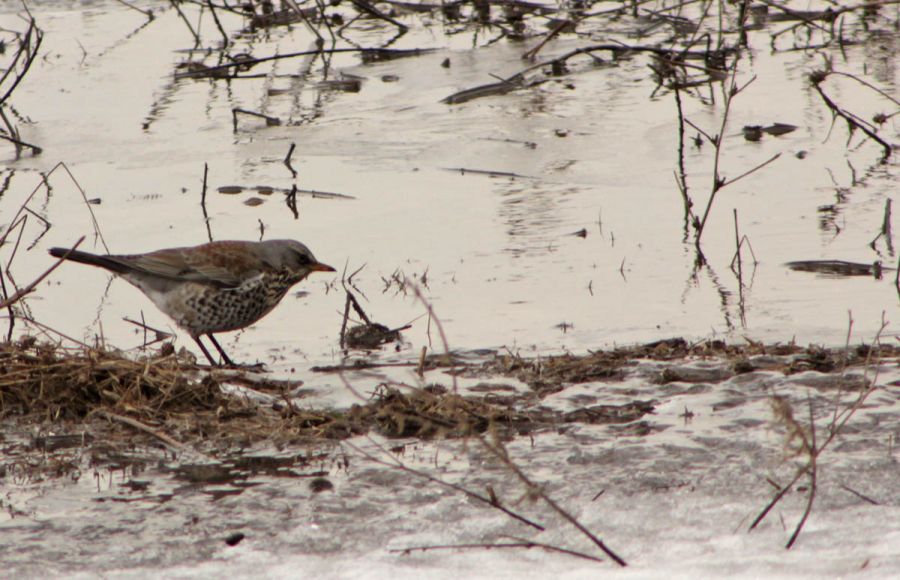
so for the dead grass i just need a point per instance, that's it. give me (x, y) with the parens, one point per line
(547, 375)
(173, 397)
(167, 391)
(46, 381)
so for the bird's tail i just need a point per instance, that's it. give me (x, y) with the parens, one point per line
(106, 262)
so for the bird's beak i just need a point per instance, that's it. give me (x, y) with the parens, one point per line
(319, 267)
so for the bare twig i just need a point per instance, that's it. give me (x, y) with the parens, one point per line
(215, 16)
(525, 544)
(287, 161)
(203, 203)
(556, 30)
(812, 471)
(863, 497)
(175, 4)
(148, 13)
(30, 53)
(291, 201)
(853, 122)
(500, 453)
(371, 10)
(397, 464)
(270, 121)
(30, 288)
(749, 171)
(809, 444)
(885, 229)
(166, 439)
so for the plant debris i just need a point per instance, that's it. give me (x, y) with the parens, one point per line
(44, 382)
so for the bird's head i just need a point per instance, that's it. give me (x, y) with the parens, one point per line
(293, 256)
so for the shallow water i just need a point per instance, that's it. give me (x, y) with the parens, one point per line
(502, 267)
(496, 258)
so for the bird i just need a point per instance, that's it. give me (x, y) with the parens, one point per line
(215, 287)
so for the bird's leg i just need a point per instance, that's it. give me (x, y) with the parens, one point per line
(206, 352)
(225, 358)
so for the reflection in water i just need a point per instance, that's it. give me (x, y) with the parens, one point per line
(880, 56)
(531, 213)
(724, 294)
(590, 137)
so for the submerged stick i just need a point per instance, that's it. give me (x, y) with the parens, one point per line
(500, 453)
(852, 120)
(397, 464)
(35, 150)
(167, 440)
(526, 544)
(270, 121)
(375, 54)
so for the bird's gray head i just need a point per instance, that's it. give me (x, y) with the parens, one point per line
(292, 256)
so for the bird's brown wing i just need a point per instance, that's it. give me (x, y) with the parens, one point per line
(212, 267)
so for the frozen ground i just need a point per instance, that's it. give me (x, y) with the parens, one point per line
(672, 494)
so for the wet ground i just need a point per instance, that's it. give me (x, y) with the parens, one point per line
(497, 254)
(667, 461)
(541, 221)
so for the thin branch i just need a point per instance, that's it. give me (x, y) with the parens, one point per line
(748, 172)
(30, 288)
(501, 454)
(526, 544)
(167, 440)
(816, 78)
(397, 464)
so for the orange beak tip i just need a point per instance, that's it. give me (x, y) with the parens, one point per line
(318, 267)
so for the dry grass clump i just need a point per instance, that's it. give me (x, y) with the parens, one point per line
(550, 374)
(170, 393)
(432, 412)
(56, 383)
(167, 390)
(547, 375)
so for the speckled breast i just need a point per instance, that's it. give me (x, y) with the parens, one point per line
(207, 309)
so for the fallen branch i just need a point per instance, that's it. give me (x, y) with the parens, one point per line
(369, 55)
(270, 121)
(526, 544)
(500, 453)
(167, 440)
(397, 464)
